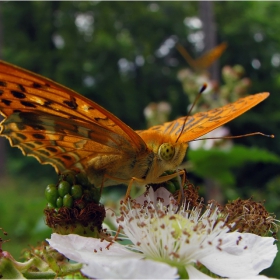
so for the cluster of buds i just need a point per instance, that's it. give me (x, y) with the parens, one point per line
(73, 206)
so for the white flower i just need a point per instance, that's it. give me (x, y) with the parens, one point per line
(115, 262)
(167, 242)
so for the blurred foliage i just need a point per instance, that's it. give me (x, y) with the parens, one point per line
(220, 164)
(122, 55)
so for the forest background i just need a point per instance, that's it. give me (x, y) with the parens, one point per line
(123, 56)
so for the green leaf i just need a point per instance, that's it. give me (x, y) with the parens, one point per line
(218, 164)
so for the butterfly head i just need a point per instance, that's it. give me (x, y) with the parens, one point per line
(166, 151)
(172, 154)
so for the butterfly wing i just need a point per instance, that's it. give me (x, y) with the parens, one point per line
(57, 125)
(206, 60)
(202, 123)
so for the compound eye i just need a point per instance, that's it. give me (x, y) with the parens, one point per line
(166, 151)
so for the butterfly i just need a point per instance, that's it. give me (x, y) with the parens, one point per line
(60, 127)
(204, 61)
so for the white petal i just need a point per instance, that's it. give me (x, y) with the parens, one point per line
(196, 274)
(241, 255)
(83, 249)
(130, 269)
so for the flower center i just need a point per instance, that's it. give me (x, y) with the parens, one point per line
(176, 224)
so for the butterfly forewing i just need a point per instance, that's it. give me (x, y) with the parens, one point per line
(202, 123)
(57, 125)
(25, 91)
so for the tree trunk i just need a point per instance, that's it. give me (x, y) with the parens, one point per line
(210, 34)
(213, 190)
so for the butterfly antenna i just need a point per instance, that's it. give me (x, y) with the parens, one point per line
(195, 101)
(237, 136)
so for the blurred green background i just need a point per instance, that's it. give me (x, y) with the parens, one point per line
(123, 56)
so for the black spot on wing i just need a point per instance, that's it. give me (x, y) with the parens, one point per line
(18, 94)
(3, 84)
(45, 153)
(21, 87)
(38, 136)
(6, 102)
(37, 85)
(48, 103)
(101, 119)
(28, 104)
(66, 157)
(21, 136)
(71, 104)
(30, 145)
(51, 149)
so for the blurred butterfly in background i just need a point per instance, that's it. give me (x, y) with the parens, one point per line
(60, 127)
(204, 61)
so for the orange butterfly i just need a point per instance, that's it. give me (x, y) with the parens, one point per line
(60, 127)
(205, 60)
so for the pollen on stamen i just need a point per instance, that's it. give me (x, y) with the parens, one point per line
(142, 224)
(161, 214)
(177, 256)
(238, 241)
(219, 248)
(159, 199)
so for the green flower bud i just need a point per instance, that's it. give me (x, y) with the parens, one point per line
(51, 193)
(68, 201)
(59, 202)
(77, 191)
(63, 188)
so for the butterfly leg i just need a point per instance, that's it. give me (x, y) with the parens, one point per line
(182, 182)
(161, 179)
(133, 179)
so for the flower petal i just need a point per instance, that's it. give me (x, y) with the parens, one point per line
(87, 249)
(195, 273)
(240, 255)
(130, 269)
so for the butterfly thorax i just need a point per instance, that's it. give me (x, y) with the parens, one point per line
(144, 168)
